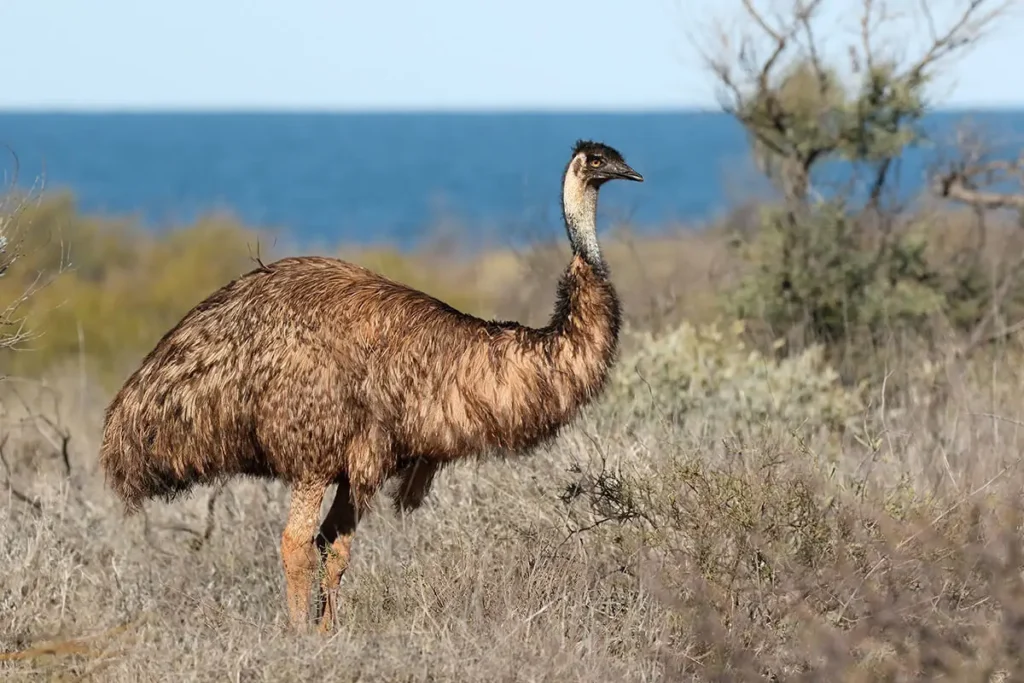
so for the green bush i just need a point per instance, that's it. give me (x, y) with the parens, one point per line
(821, 279)
(710, 376)
(122, 287)
(853, 271)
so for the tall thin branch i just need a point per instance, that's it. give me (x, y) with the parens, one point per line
(962, 33)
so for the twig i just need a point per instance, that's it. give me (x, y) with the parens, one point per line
(15, 493)
(956, 187)
(902, 544)
(258, 258)
(199, 538)
(72, 646)
(65, 440)
(962, 33)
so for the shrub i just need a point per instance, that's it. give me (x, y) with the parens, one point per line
(709, 376)
(121, 287)
(841, 260)
(772, 560)
(822, 278)
(124, 286)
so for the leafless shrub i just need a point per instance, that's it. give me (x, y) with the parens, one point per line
(14, 240)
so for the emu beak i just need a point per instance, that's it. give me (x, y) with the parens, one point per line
(627, 173)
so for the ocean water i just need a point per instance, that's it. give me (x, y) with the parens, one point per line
(390, 178)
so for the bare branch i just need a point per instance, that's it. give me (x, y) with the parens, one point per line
(865, 36)
(734, 99)
(13, 492)
(933, 32)
(62, 448)
(759, 71)
(957, 190)
(804, 14)
(13, 330)
(760, 21)
(964, 181)
(963, 33)
(781, 40)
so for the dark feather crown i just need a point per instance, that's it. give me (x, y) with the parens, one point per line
(590, 147)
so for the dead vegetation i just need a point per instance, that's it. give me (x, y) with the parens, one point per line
(15, 242)
(642, 546)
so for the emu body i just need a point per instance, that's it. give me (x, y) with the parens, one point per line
(312, 367)
(316, 371)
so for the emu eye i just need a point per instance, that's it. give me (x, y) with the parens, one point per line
(595, 162)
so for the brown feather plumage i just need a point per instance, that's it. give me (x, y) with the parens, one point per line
(277, 373)
(316, 371)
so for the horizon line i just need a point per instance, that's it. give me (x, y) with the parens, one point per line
(481, 110)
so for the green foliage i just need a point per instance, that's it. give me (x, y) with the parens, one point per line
(122, 287)
(711, 376)
(822, 275)
(849, 275)
(419, 275)
(883, 119)
(809, 116)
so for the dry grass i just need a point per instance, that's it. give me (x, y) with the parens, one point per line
(469, 588)
(633, 549)
(661, 280)
(720, 530)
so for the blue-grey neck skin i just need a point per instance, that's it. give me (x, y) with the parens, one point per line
(579, 209)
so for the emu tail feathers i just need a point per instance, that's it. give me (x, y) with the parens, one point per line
(134, 474)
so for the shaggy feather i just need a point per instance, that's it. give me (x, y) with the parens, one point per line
(316, 371)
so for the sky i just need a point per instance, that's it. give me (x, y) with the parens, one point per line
(392, 54)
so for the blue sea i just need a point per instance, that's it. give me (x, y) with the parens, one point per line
(393, 178)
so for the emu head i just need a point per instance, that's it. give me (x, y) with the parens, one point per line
(595, 163)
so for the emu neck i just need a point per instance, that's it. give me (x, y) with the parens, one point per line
(579, 208)
(587, 314)
(584, 334)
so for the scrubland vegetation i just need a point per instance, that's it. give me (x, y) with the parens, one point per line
(806, 465)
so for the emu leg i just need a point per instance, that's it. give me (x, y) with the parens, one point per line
(298, 553)
(335, 542)
(414, 481)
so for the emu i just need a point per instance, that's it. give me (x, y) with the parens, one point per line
(315, 371)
